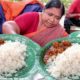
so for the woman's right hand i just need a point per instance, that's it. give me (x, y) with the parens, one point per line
(10, 27)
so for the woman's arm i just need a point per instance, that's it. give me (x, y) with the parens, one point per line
(10, 27)
(68, 15)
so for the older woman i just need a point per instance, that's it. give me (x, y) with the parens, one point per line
(40, 27)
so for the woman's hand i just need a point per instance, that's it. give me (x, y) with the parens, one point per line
(10, 27)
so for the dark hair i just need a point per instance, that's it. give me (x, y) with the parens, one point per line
(62, 9)
(56, 4)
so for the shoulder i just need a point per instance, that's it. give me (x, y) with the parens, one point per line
(27, 16)
(30, 14)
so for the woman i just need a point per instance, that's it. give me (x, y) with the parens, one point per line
(9, 10)
(40, 27)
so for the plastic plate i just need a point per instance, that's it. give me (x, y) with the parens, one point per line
(32, 50)
(75, 34)
(43, 71)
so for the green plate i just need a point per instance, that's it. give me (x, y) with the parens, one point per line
(75, 34)
(41, 55)
(32, 50)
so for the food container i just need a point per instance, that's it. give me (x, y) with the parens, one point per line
(36, 69)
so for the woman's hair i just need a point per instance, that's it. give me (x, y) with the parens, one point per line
(56, 4)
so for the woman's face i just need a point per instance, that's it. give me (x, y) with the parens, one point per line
(51, 17)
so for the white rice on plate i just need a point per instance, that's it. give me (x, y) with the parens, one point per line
(66, 66)
(12, 57)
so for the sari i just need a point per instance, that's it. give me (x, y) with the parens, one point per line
(45, 35)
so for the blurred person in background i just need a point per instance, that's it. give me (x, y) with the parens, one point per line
(72, 16)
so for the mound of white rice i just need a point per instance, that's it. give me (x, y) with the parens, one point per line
(12, 57)
(66, 65)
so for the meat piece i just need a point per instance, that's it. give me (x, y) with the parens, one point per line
(56, 44)
(48, 55)
(60, 50)
(66, 43)
(2, 41)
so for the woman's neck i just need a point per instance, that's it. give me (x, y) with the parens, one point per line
(40, 25)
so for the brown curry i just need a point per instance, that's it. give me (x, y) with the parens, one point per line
(56, 48)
